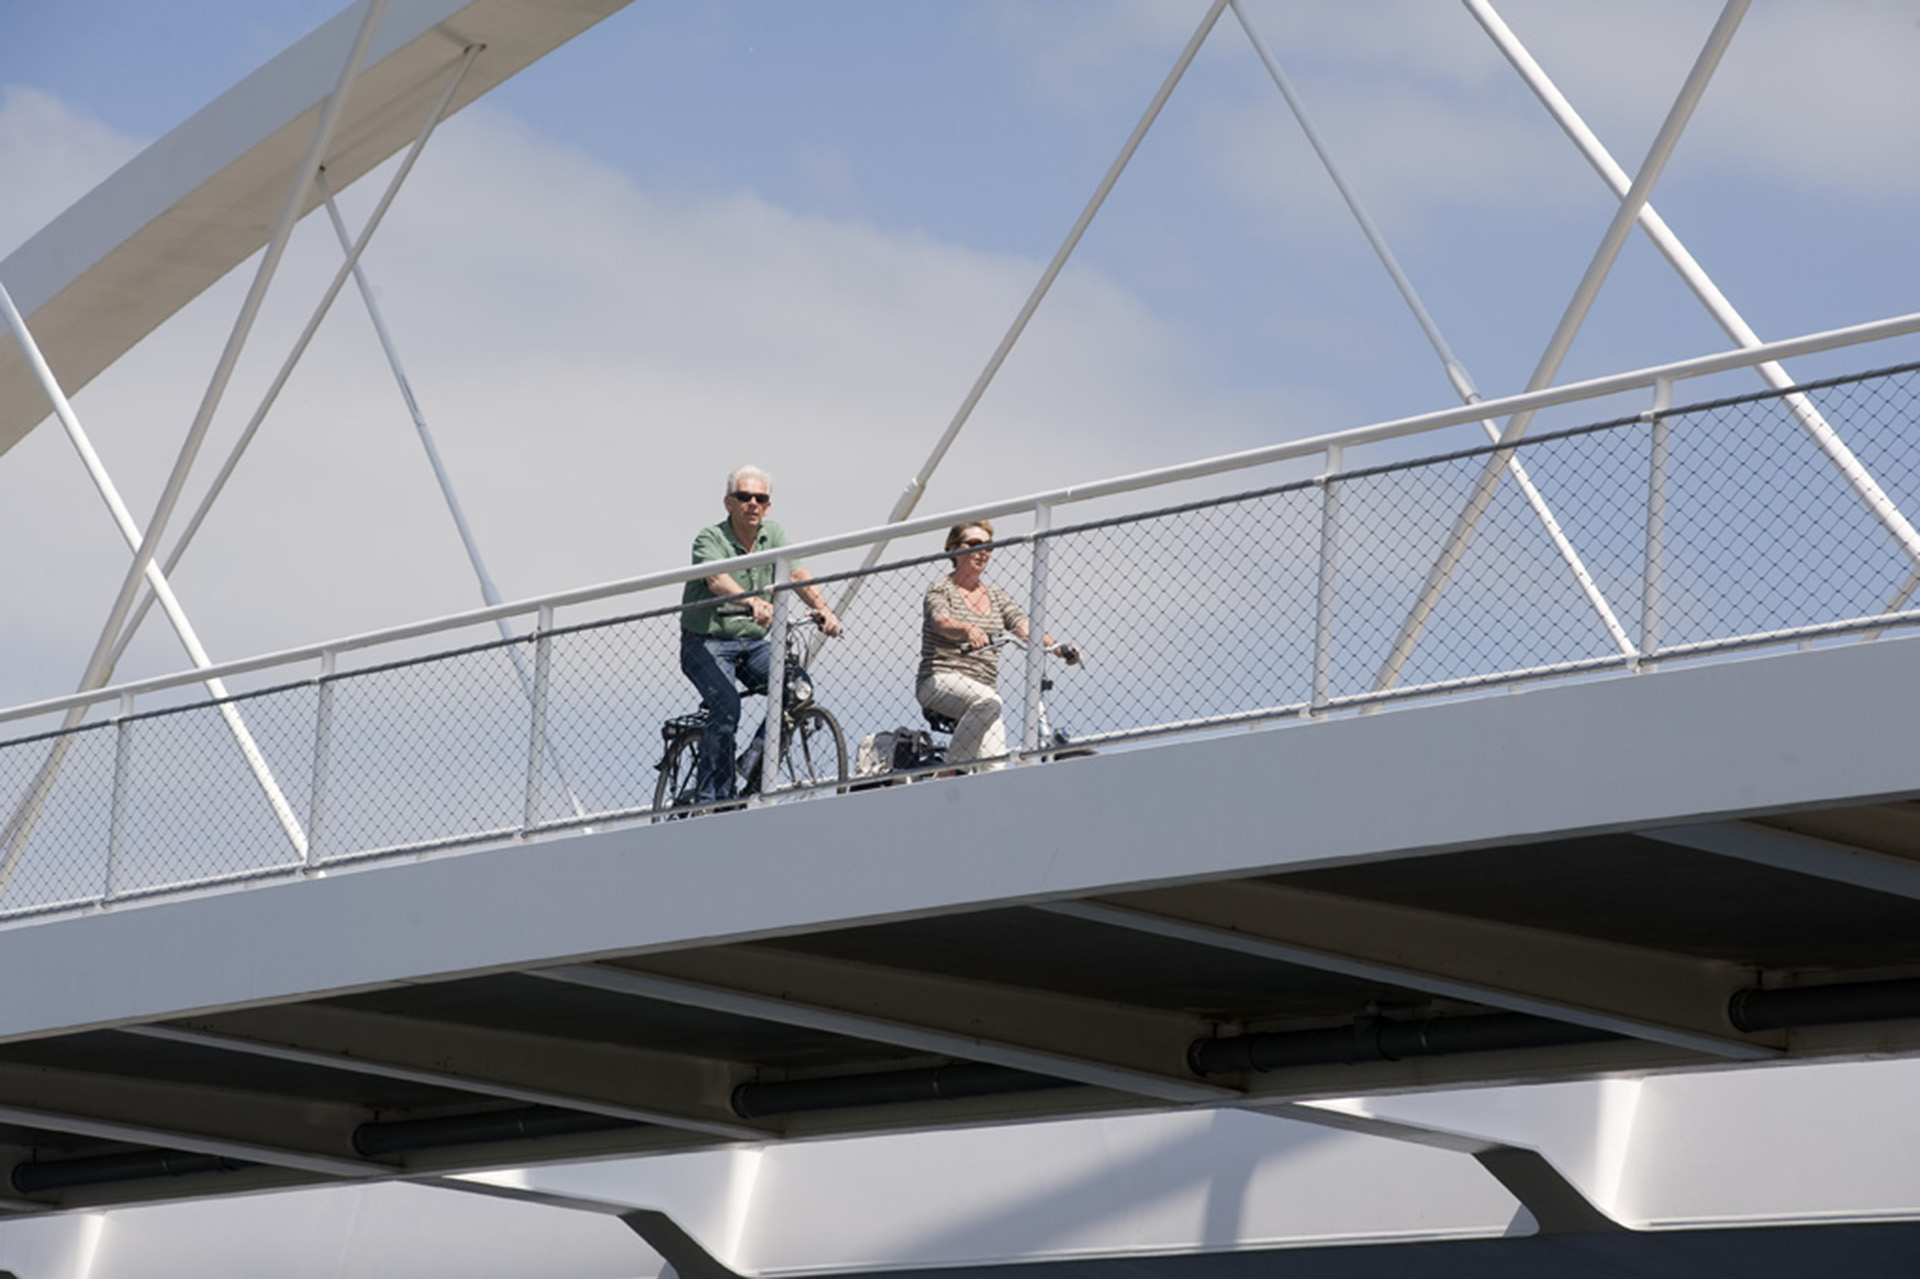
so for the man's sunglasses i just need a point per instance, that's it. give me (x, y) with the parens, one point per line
(764, 499)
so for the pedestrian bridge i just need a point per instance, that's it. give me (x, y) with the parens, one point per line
(1585, 753)
(1403, 773)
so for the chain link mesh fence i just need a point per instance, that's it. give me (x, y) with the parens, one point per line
(1611, 547)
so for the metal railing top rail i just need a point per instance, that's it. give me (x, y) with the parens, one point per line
(1573, 392)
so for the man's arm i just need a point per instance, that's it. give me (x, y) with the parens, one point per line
(815, 600)
(727, 590)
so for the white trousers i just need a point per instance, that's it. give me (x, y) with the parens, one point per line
(979, 732)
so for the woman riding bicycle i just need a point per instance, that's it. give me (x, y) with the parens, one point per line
(959, 664)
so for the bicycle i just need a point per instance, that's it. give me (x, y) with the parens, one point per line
(918, 749)
(813, 750)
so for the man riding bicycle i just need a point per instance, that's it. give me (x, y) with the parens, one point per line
(724, 621)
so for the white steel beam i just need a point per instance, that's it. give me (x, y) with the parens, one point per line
(1456, 372)
(1695, 277)
(26, 813)
(1802, 854)
(99, 668)
(1558, 1206)
(1129, 1050)
(183, 213)
(910, 496)
(1561, 342)
(488, 591)
(96, 672)
(292, 360)
(686, 1256)
(99, 663)
(595, 1078)
(1627, 990)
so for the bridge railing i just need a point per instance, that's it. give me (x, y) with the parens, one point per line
(1678, 533)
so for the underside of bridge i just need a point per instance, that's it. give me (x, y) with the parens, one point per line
(1255, 920)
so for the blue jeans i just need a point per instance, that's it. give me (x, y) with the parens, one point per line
(717, 668)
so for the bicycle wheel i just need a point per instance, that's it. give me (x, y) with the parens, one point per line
(815, 750)
(679, 767)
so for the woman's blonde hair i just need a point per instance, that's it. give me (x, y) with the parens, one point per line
(958, 533)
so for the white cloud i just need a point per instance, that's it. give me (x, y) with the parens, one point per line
(1826, 97)
(1078, 54)
(53, 157)
(1427, 116)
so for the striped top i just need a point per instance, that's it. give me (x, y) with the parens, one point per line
(939, 653)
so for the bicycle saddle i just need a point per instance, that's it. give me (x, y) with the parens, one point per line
(937, 722)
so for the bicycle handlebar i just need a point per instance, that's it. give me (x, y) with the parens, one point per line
(812, 617)
(1068, 653)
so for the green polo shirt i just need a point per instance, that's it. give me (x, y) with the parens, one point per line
(717, 542)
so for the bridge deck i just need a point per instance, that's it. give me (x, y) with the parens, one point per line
(1360, 903)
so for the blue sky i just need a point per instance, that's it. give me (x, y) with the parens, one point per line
(794, 232)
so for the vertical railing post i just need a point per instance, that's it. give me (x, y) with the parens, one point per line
(1323, 600)
(116, 827)
(322, 746)
(1653, 585)
(1036, 630)
(776, 678)
(537, 734)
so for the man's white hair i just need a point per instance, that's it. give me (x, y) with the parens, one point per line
(739, 473)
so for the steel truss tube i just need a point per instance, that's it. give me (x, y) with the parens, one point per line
(98, 665)
(910, 497)
(1898, 602)
(1562, 340)
(28, 813)
(1457, 374)
(488, 591)
(1695, 277)
(350, 266)
(1354, 437)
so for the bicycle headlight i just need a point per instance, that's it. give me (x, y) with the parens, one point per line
(799, 689)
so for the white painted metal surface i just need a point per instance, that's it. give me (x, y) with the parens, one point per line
(1673, 751)
(1672, 748)
(166, 226)
(1725, 1150)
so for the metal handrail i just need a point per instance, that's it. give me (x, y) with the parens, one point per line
(1593, 388)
